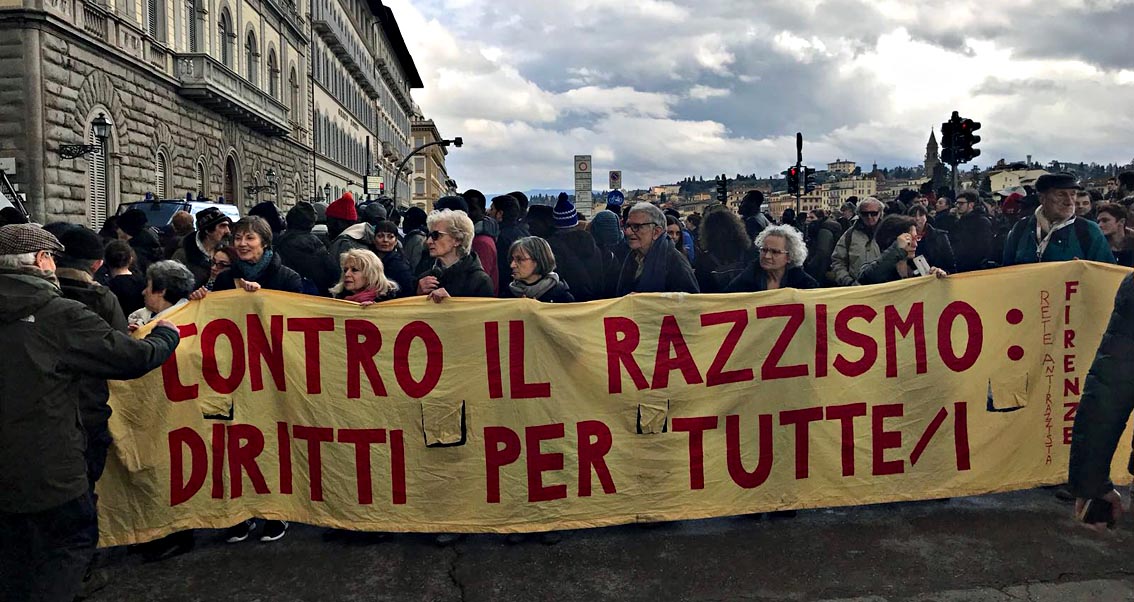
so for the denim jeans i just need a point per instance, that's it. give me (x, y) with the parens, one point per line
(43, 555)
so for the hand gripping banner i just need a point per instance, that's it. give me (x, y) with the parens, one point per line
(512, 416)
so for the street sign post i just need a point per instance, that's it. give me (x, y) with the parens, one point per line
(583, 172)
(615, 180)
(375, 185)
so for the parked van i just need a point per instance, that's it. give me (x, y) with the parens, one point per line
(161, 212)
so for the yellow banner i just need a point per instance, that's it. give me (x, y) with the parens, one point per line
(512, 416)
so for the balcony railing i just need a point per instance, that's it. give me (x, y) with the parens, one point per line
(94, 21)
(207, 81)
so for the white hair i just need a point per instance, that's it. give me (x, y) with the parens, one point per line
(460, 227)
(17, 260)
(864, 202)
(796, 248)
(657, 217)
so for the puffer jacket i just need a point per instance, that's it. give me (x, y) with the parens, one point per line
(855, 249)
(51, 343)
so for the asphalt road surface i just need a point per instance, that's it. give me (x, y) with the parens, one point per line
(1006, 547)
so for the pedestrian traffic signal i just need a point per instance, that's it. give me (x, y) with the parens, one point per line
(808, 179)
(793, 180)
(722, 189)
(968, 139)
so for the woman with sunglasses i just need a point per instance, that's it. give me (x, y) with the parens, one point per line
(222, 260)
(456, 270)
(780, 264)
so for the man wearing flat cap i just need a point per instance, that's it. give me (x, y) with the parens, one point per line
(1053, 232)
(48, 524)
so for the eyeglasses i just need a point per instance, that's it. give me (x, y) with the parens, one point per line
(770, 251)
(635, 228)
(869, 213)
(519, 259)
(436, 234)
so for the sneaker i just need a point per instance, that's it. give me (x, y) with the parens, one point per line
(274, 530)
(238, 533)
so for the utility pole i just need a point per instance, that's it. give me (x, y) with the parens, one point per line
(799, 170)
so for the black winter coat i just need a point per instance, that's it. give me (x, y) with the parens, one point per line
(147, 248)
(275, 277)
(754, 279)
(303, 252)
(934, 245)
(398, 270)
(191, 256)
(50, 342)
(510, 232)
(973, 238)
(821, 240)
(679, 277)
(578, 263)
(714, 275)
(465, 278)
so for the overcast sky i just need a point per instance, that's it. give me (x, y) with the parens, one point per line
(665, 89)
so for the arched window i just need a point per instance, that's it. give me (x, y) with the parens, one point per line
(230, 183)
(251, 56)
(273, 74)
(224, 31)
(293, 87)
(98, 188)
(161, 169)
(202, 180)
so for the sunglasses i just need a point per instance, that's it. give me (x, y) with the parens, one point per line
(869, 213)
(436, 234)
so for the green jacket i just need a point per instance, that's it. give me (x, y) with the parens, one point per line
(49, 344)
(1106, 403)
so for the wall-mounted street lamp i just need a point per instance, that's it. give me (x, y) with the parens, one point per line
(101, 132)
(257, 188)
(327, 192)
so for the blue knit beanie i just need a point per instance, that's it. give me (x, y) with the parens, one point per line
(605, 229)
(565, 214)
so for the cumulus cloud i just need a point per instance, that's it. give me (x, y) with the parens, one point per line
(664, 89)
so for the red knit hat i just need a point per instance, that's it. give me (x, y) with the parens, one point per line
(343, 208)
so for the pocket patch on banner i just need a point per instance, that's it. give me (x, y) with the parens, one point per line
(443, 422)
(1008, 392)
(653, 417)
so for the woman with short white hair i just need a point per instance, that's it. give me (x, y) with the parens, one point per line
(456, 272)
(781, 253)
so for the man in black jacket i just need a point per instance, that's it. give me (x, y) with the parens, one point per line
(973, 234)
(48, 522)
(303, 252)
(506, 211)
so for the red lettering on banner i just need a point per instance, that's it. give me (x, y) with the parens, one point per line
(283, 436)
(311, 327)
(673, 354)
(1070, 288)
(802, 420)
(181, 489)
(434, 359)
(1068, 339)
(1072, 409)
(492, 358)
(1071, 387)
(260, 348)
(1068, 363)
(315, 436)
(518, 385)
(245, 443)
(398, 466)
(770, 369)
(363, 342)
(884, 439)
(209, 368)
(696, 428)
(539, 462)
(961, 435)
(846, 414)
(717, 375)
(854, 338)
(622, 337)
(959, 309)
(496, 457)
(1067, 431)
(1066, 314)
(219, 432)
(362, 439)
(734, 455)
(175, 390)
(820, 341)
(895, 325)
(927, 436)
(592, 456)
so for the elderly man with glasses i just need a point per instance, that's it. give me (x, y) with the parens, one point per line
(653, 265)
(856, 247)
(1054, 232)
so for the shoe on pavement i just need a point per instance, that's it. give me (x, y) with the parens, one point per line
(550, 538)
(238, 533)
(93, 581)
(274, 530)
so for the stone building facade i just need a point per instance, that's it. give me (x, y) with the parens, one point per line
(429, 179)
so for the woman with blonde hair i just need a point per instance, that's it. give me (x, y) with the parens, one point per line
(455, 270)
(364, 279)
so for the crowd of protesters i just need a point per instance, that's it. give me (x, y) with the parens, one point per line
(132, 273)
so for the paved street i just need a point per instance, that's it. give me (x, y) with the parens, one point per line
(1017, 546)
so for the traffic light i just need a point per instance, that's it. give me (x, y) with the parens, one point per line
(808, 179)
(722, 189)
(968, 139)
(949, 141)
(793, 180)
